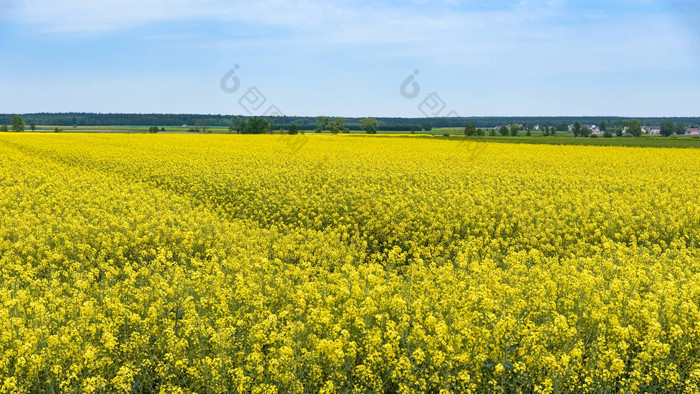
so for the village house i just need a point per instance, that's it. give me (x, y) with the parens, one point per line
(652, 130)
(692, 130)
(593, 128)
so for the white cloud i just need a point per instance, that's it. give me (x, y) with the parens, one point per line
(519, 31)
(105, 15)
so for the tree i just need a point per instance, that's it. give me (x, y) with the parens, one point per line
(607, 134)
(238, 124)
(338, 125)
(470, 130)
(529, 134)
(577, 129)
(480, 132)
(32, 125)
(503, 131)
(56, 130)
(492, 132)
(603, 126)
(667, 128)
(162, 129)
(257, 125)
(153, 129)
(514, 129)
(322, 123)
(3, 128)
(585, 132)
(370, 125)
(680, 128)
(634, 127)
(17, 124)
(426, 126)
(202, 124)
(293, 129)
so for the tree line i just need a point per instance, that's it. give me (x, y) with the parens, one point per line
(261, 125)
(310, 123)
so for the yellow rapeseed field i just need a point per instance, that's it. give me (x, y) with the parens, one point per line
(225, 263)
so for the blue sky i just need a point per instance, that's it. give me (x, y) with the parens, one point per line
(349, 58)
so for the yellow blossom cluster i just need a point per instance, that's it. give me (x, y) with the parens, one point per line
(219, 263)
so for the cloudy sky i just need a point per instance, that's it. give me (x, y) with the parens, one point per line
(350, 57)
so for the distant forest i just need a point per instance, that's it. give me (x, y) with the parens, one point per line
(309, 122)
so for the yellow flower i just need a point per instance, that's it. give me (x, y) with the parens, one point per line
(222, 263)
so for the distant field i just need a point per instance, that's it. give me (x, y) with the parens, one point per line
(455, 133)
(644, 141)
(117, 129)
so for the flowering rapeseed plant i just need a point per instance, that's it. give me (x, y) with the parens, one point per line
(227, 263)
